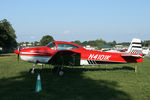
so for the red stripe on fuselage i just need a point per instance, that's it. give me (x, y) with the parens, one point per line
(38, 51)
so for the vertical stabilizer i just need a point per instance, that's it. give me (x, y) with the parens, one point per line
(135, 46)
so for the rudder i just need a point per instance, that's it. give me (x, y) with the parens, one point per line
(135, 46)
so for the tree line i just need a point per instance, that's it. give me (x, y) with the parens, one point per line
(45, 40)
(48, 38)
(94, 43)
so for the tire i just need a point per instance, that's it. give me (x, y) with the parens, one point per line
(61, 73)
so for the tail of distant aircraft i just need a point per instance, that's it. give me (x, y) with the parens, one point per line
(135, 46)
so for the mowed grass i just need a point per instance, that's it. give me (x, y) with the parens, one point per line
(104, 82)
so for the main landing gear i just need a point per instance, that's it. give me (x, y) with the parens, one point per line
(59, 70)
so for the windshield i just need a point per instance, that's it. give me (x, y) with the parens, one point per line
(63, 46)
(51, 45)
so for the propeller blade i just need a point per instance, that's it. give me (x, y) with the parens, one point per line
(18, 57)
(18, 53)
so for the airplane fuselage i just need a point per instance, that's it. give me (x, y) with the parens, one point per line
(70, 50)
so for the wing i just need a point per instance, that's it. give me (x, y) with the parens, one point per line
(66, 57)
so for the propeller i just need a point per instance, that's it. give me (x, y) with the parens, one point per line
(18, 57)
(18, 53)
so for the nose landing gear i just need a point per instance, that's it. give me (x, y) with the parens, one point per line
(32, 71)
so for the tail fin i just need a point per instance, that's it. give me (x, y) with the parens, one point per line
(135, 46)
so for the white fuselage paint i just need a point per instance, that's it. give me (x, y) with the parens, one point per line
(40, 59)
(84, 62)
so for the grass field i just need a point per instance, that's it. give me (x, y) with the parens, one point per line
(105, 82)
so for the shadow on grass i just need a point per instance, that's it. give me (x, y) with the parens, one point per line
(73, 86)
(101, 69)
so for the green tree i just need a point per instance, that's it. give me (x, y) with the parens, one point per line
(7, 35)
(46, 39)
(92, 43)
(146, 43)
(124, 43)
(112, 43)
(84, 43)
(77, 42)
(36, 43)
(100, 42)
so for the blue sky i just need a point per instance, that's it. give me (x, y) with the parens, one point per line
(83, 20)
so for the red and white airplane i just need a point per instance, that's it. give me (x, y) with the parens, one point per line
(65, 53)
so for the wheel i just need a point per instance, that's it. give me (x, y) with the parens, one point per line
(61, 73)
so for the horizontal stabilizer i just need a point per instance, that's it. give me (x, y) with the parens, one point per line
(137, 56)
